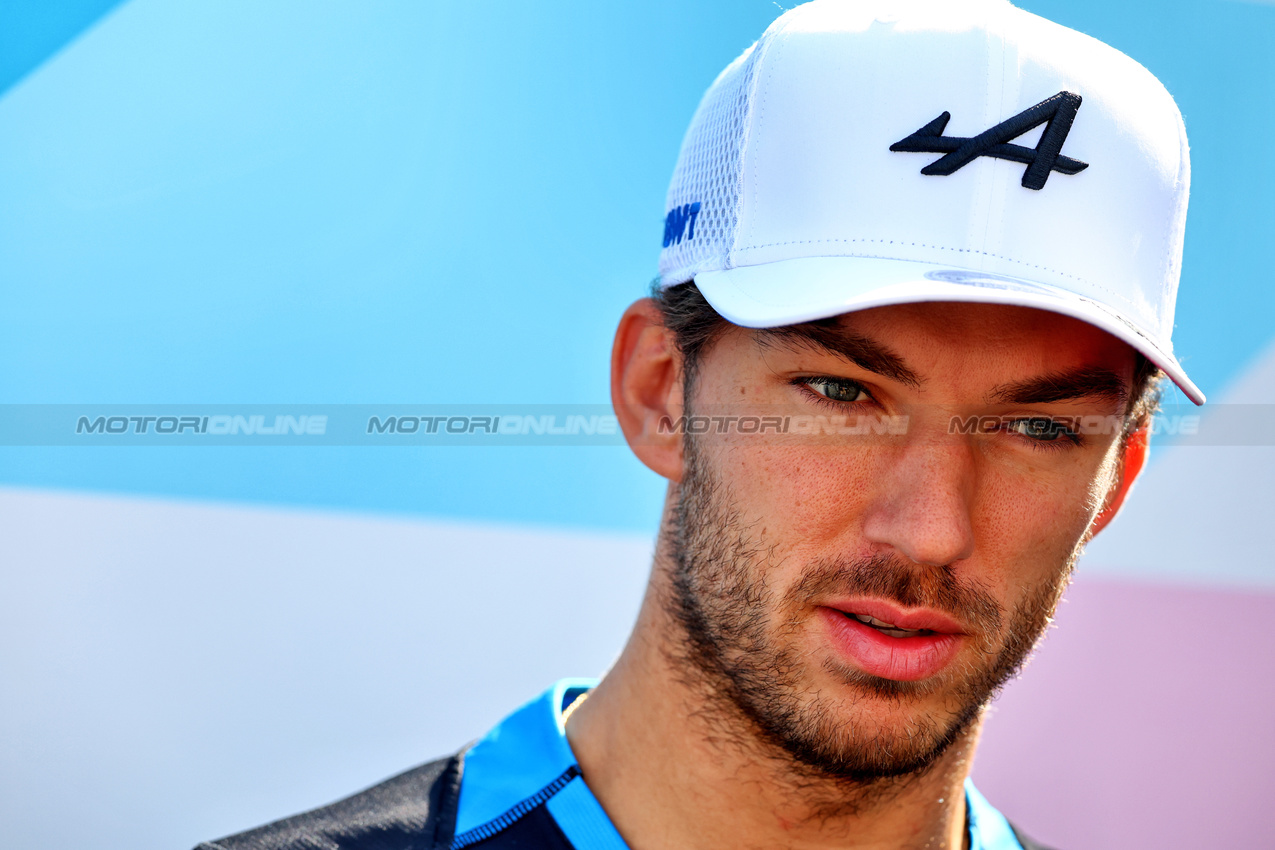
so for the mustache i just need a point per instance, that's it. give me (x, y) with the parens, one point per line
(894, 579)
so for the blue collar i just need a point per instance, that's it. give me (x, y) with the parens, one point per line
(526, 761)
(988, 828)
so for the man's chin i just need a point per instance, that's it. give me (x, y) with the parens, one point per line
(878, 732)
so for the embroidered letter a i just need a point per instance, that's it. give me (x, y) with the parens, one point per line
(1059, 110)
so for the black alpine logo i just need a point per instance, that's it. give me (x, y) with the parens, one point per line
(1059, 111)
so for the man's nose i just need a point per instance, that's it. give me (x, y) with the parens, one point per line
(922, 503)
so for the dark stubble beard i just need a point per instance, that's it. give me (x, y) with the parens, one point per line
(738, 650)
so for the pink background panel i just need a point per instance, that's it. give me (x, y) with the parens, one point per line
(1147, 719)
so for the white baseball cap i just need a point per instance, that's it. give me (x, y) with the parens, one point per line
(873, 152)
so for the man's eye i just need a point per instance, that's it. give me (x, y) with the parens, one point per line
(837, 390)
(1043, 429)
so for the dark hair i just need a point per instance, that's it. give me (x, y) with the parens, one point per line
(695, 326)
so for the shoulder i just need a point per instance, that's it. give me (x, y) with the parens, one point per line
(415, 810)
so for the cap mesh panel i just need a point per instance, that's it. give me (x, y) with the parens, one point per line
(708, 173)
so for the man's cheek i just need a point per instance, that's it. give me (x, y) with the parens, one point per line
(1025, 537)
(811, 493)
(1032, 510)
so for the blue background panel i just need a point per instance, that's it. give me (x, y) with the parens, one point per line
(33, 30)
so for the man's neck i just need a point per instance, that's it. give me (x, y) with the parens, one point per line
(674, 770)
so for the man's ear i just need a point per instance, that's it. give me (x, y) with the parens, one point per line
(646, 388)
(1136, 449)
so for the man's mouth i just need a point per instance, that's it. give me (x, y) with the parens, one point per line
(889, 628)
(888, 641)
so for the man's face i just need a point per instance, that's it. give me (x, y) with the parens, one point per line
(859, 598)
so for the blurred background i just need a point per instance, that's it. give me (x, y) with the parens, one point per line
(235, 202)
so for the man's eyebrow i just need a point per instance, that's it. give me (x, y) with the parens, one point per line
(1087, 382)
(860, 350)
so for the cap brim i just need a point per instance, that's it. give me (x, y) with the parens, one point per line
(788, 292)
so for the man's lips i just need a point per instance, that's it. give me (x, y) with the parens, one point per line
(890, 642)
(912, 619)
